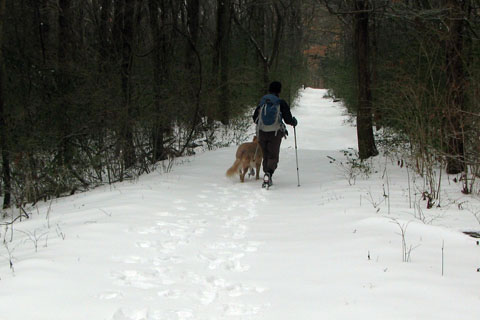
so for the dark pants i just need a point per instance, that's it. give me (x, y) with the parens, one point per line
(270, 143)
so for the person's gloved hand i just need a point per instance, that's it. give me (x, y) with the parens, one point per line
(294, 122)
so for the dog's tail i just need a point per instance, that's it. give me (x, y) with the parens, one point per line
(234, 168)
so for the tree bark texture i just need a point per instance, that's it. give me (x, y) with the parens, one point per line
(64, 56)
(160, 122)
(366, 142)
(64, 30)
(456, 87)
(262, 34)
(6, 175)
(222, 57)
(103, 31)
(42, 20)
(193, 26)
(128, 148)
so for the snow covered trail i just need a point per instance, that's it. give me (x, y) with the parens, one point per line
(160, 248)
(193, 244)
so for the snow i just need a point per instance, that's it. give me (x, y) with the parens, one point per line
(193, 244)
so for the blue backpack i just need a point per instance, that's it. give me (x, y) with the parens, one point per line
(270, 117)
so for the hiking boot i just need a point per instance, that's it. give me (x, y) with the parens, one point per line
(267, 179)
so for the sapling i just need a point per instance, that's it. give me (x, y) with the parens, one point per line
(10, 256)
(474, 211)
(439, 187)
(60, 232)
(406, 249)
(48, 213)
(443, 247)
(386, 195)
(105, 211)
(478, 243)
(409, 189)
(373, 202)
(418, 214)
(5, 234)
(34, 237)
(353, 166)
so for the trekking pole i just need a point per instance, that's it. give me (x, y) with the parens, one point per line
(296, 154)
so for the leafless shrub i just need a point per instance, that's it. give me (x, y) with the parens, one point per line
(406, 248)
(35, 236)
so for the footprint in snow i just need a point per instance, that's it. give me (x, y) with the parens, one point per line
(241, 310)
(109, 295)
(170, 293)
(164, 214)
(130, 259)
(235, 265)
(199, 231)
(208, 295)
(160, 261)
(148, 230)
(136, 279)
(142, 314)
(213, 261)
(184, 314)
(145, 244)
(205, 205)
(175, 233)
(249, 246)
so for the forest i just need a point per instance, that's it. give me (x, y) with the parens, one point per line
(99, 91)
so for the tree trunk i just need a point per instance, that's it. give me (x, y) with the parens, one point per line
(159, 74)
(3, 132)
(192, 64)
(64, 55)
(193, 10)
(366, 142)
(260, 17)
(377, 113)
(103, 32)
(42, 19)
(117, 27)
(295, 39)
(64, 19)
(222, 58)
(128, 148)
(456, 87)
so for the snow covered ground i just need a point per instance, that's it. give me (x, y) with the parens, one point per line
(193, 244)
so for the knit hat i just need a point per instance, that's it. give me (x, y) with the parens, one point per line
(275, 87)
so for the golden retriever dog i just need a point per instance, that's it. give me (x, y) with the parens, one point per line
(249, 156)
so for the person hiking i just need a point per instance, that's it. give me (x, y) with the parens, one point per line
(269, 116)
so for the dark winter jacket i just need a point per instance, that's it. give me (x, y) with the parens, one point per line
(284, 109)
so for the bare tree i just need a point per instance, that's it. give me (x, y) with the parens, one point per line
(456, 84)
(366, 141)
(222, 48)
(64, 55)
(3, 131)
(103, 32)
(126, 125)
(263, 24)
(193, 30)
(361, 50)
(101, 84)
(160, 76)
